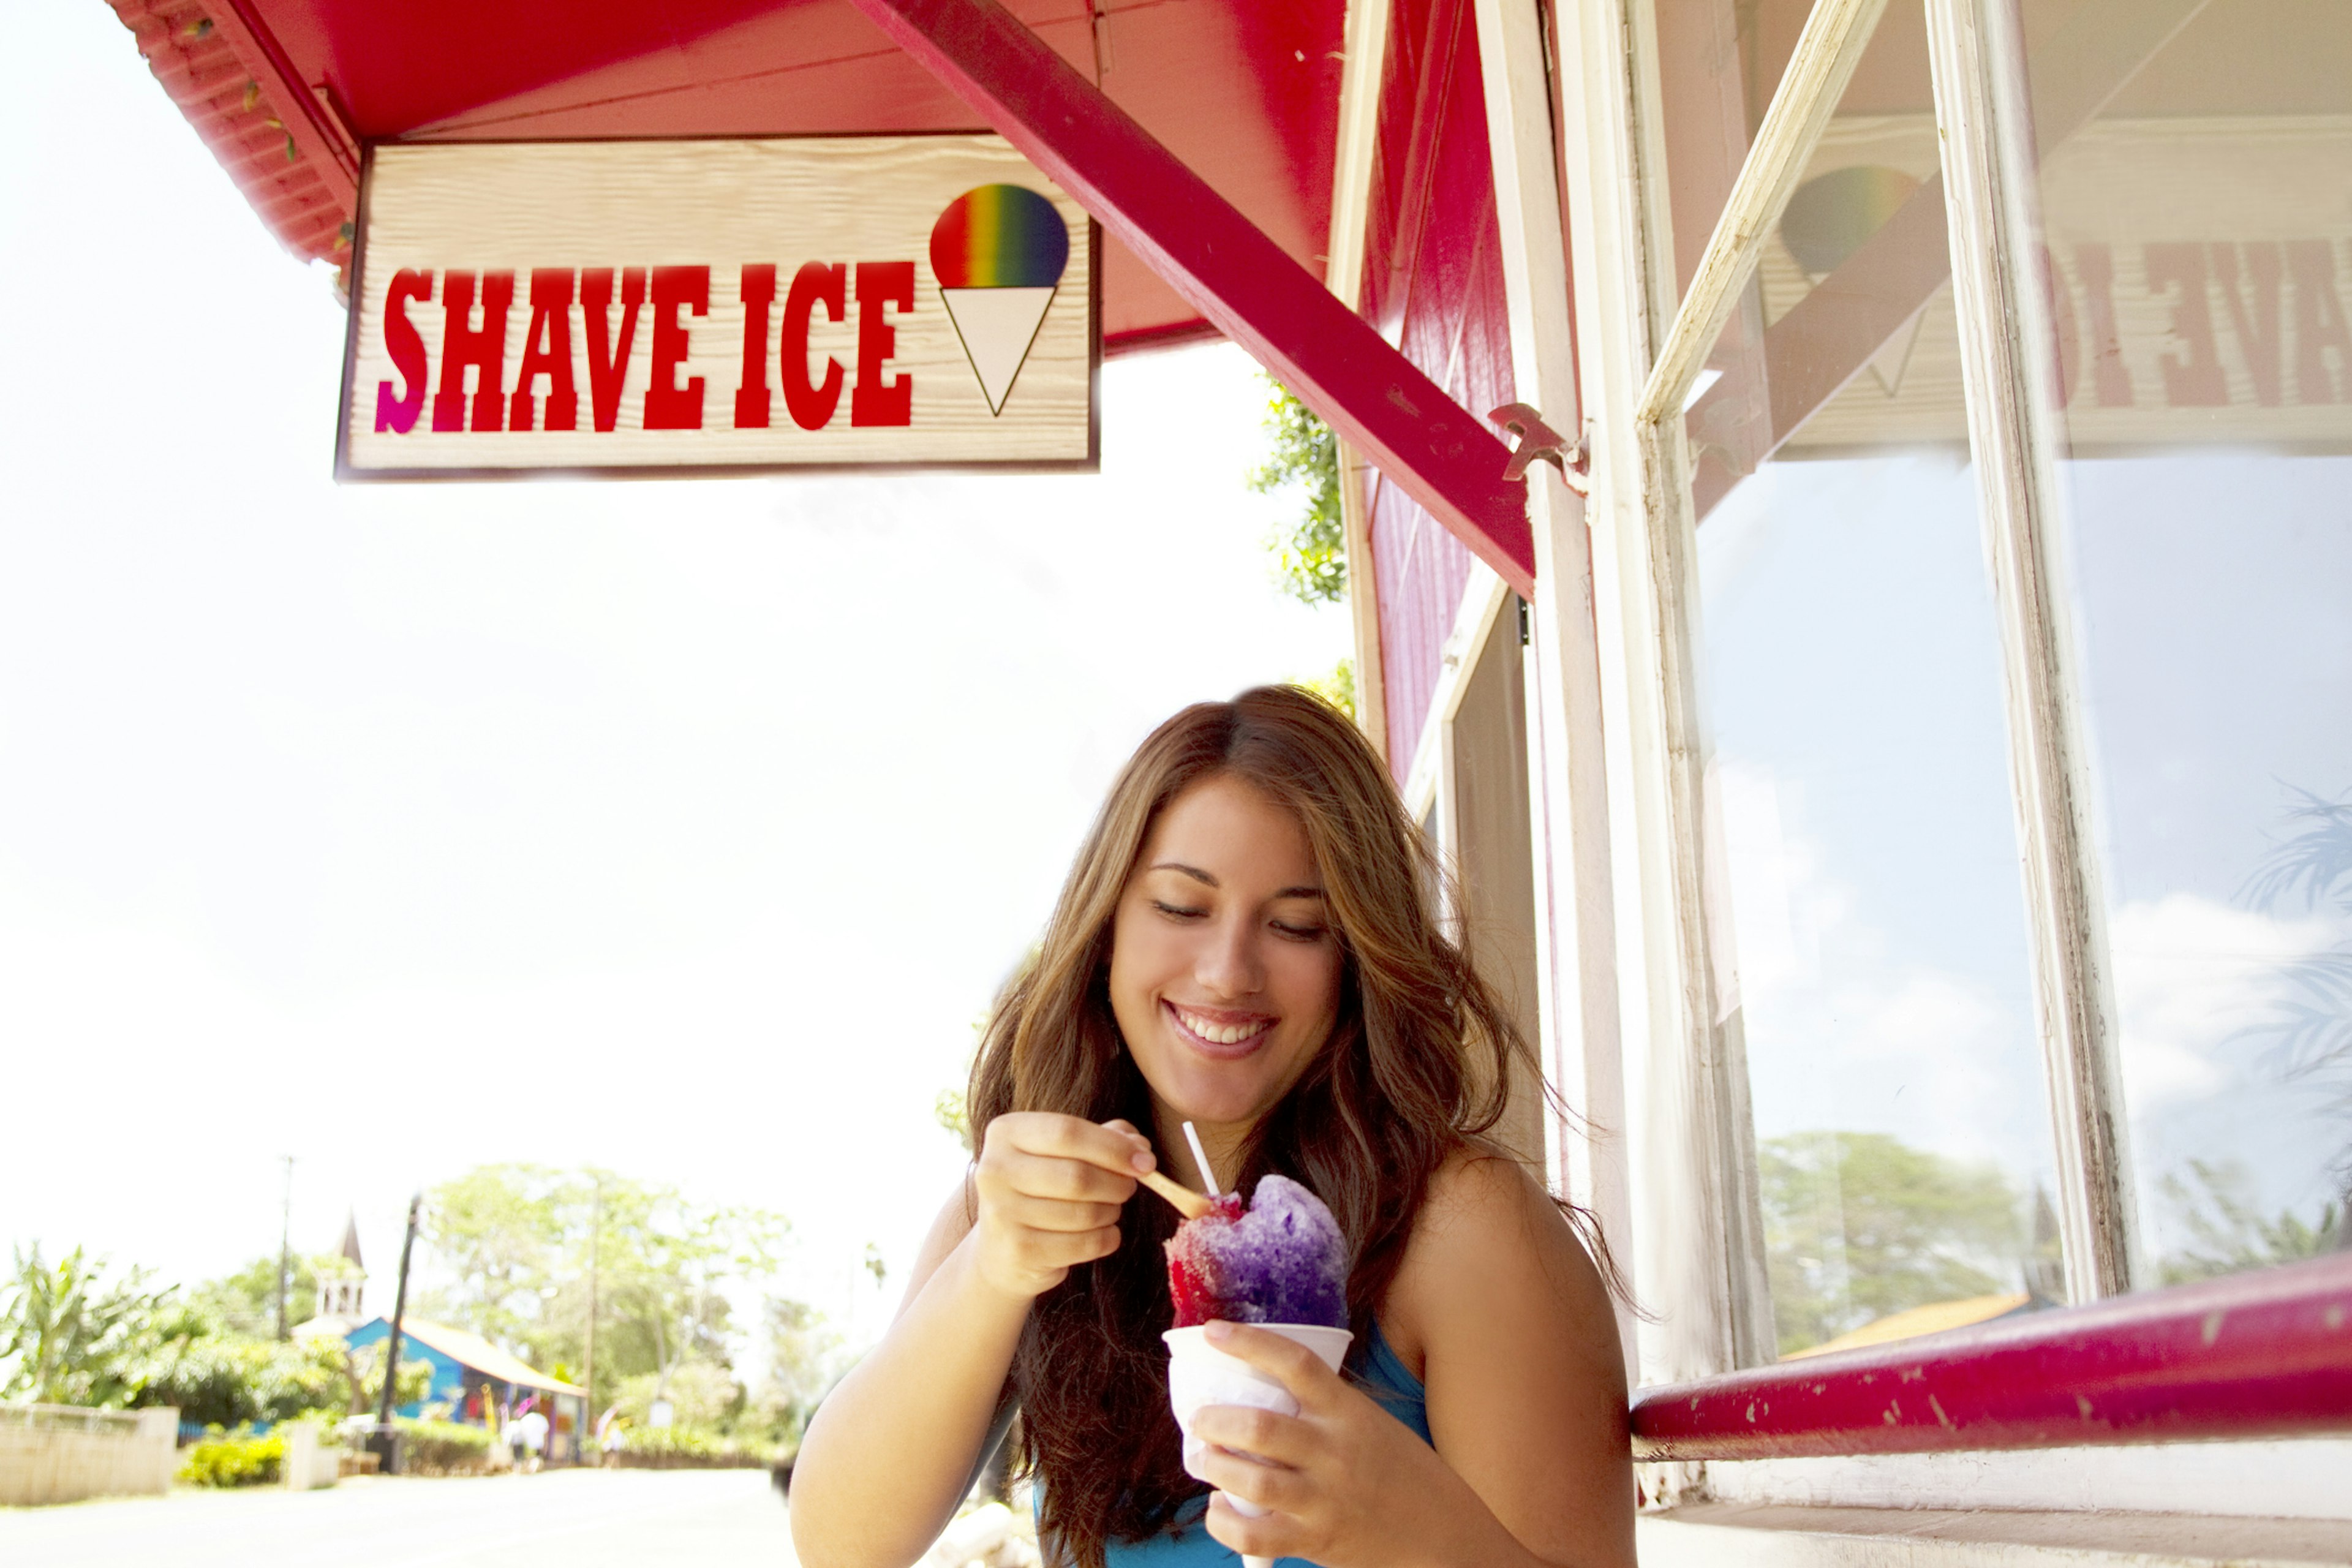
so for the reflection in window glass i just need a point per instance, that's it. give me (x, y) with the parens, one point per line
(1866, 906)
(2198, 231)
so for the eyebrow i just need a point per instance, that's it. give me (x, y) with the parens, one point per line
(1206, 880)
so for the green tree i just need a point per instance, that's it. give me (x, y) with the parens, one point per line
(246, 1302)
(500, 1233)
(361, 1380)
(806, 1357)
(1859, 1224)
(220, 1377)
(2213, 1203)
(954, 1115)
(1310, 550)
(69, 1334)
(515, 1244)
(1339, 687)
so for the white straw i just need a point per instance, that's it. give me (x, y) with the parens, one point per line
(1207, 1177)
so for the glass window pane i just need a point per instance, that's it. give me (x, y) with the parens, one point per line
(2196, 202)
(1864, 894)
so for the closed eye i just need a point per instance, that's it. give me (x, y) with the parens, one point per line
(1177, 911)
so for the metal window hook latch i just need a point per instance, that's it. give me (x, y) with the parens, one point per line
(1539, 441)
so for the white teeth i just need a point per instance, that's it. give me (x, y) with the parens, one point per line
(1222, 1034)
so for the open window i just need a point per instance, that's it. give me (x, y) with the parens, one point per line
(1994, 518)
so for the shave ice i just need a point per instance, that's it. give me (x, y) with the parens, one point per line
(1279, 1263)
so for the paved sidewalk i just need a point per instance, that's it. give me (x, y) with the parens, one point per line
(583, 1519)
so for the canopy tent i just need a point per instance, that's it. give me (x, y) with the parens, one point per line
(284, 91)
(1199, 133)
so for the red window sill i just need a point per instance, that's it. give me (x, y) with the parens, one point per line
(2265, 1354)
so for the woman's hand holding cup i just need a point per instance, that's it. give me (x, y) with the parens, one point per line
(1051, 1188)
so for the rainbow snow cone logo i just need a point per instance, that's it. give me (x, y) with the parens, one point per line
(998, 252)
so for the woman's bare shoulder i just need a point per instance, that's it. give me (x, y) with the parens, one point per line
(1489, 1238)
(1485, 1209)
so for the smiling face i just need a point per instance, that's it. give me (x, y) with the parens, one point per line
(1224, 972)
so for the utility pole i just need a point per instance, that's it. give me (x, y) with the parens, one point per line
(595, 1245)
(285, 1243)
(384, 1443)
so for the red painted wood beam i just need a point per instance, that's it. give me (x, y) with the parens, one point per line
(314, 131)
(2265, 1354)
(1226, 268)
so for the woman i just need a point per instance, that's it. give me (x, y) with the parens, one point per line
(1248, 942)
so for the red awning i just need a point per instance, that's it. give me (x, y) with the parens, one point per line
(1245, 92)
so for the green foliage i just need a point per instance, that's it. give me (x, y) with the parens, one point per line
(443, 1447)
(226, 1379)
(515, 1244)
(1310, 552)
(363, 1379)
(951, 1112)
(806, 1358)
(196, 1359)
(246, 1302)
(684, 1447)
(70, 1335)
(2213, 1202)
(700, 1395)
(1338, 688)
(237, 1458)
(515, 1241)
(1858, 1226)
(69, 1332)
(500, 1231)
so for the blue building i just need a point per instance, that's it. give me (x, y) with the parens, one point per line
(481, 1384)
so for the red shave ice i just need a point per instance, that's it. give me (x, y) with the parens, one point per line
(1281, 1260)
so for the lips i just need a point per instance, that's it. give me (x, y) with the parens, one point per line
(1218, 1031)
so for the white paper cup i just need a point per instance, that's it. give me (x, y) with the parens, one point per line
(1200, 1374)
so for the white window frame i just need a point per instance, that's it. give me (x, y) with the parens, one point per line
(1640, 350)
(1699, 1243)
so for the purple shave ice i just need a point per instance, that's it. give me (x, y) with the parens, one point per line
(1281, 1260)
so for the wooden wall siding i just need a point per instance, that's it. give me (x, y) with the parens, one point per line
(1492, 832)
(1434, 285)
(1421, 569)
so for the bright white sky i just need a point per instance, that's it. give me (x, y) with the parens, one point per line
(684, 828)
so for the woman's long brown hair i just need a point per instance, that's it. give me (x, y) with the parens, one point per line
(1415, 1070)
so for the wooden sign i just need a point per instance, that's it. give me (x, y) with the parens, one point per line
(671, 307)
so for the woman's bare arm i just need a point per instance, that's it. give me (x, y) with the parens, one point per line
(883, 1464)
(888, 1454)
(1504, 1313)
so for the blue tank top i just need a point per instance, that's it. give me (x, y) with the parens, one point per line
(1187, 1543)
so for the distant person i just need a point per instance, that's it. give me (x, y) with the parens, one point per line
(532, 1428)
(608, 1437)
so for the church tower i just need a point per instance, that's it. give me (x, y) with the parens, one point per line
(341, 1290)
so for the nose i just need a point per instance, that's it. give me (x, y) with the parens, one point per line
(1229, 965)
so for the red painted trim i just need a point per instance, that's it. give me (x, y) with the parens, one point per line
(305, 118)
(1148, 339)
(1220, 262)
(2265, 1354)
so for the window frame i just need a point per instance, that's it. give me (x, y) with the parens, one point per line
(1693, 1066)
(1638, 349)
